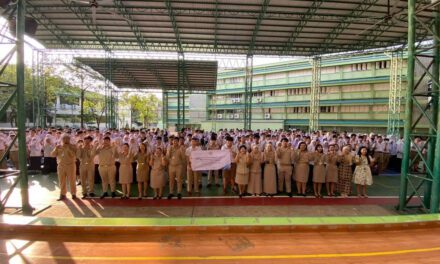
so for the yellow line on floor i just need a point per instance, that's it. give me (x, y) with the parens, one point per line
(263, 257)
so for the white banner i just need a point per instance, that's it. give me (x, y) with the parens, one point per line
(203, 160)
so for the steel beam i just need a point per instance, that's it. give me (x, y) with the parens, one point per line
(82, 14)
(21, 112)
(260, 18)
(395, 94)
(315, 90)
(134, 28)
(426, 104)
(344, 24)
(301, 24)
(408, 106)
(434, 148)
(248, 92)
(216, 26)
(165, 109)
(38, 14)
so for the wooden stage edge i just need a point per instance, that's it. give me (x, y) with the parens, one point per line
(16, 225)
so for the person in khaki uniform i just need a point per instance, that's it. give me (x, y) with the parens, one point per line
(85, 155)
(142, 170)
(176, 160)
(213, 176)
(107, 169)
(192, 176)
(229, 171)
(285, 157)
(66, 158)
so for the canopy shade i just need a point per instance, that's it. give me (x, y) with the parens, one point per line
(255, 27)
(156, 74)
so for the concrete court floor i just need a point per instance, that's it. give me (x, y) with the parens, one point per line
(44, 192)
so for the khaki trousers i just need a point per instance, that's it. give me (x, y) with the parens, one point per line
(175, 174)
(67, 173)
(87, 175)
(213, 177)
(285, 175)
(108, 176)
(193, 179)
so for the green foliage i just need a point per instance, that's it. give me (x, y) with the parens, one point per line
(94, 108)
(143, 107)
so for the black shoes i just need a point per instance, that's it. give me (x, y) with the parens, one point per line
(209, 185)
(113, 194)
(84, 196)
(73, 196)
(62, 197)
(290, 194)
(103, 195)
(91, 194)
(170, 196)
(179, 196)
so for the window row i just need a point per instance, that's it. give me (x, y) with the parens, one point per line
(306, 109)
(385, 64)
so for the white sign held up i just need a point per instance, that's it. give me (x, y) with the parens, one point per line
(204, 160)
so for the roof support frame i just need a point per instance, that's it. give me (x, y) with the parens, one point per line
(43, 20)
(264, 6)
(181, 55)
(81, 13)
(358, 11)
(303, 21)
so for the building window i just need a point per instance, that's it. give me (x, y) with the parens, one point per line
(327, 109)
(354, 109)
(379, 108)
(359, 67)
(301, 109)
(382, 64)
(234, 80)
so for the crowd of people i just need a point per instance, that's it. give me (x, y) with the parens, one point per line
(263, 162)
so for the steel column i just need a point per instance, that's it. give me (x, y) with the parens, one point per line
(434, 148)
(248, 92)
(21, 112)
(395, 94)
(422, 102)
(179, 94)
(165, 109)
(408, 105)
(315, 90)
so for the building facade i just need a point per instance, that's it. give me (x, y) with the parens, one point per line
(354, 95)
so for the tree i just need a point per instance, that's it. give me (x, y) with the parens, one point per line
(94, 108)
(85, 80)
(143, 108)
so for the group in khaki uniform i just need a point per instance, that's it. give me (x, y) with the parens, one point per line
(256, 167)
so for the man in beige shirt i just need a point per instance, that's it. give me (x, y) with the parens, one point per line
(107, 168)
(66, 170)
(85, 155)
(285, 160)
(176, 163)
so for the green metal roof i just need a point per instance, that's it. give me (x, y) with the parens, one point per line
(256, 27)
